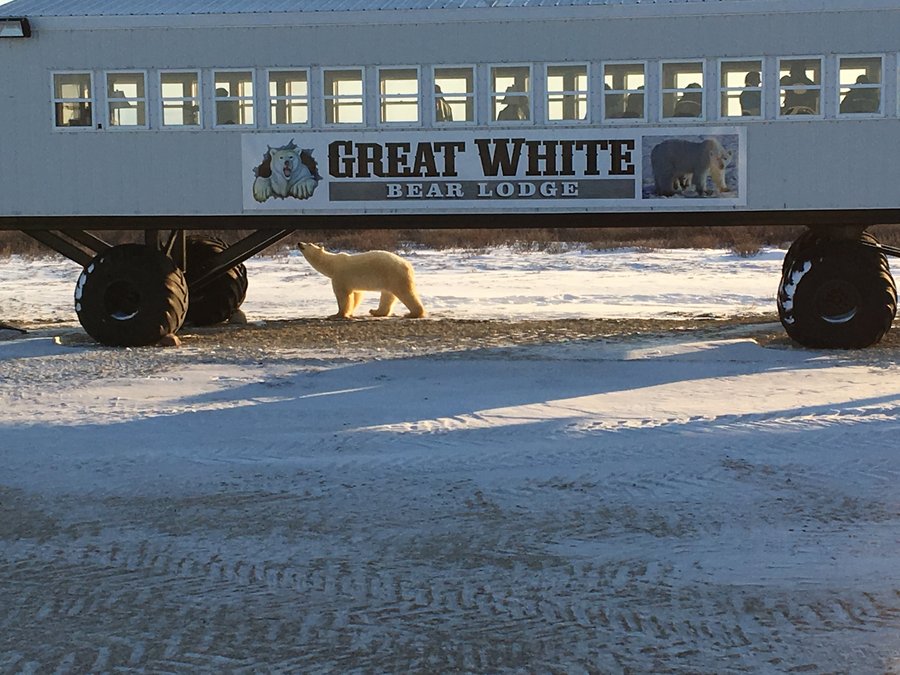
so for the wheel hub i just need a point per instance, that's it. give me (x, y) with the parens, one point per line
(837, 301)
(122, 301)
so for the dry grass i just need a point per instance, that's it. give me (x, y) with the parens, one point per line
(745, 241)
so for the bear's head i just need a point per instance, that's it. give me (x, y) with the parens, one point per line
(284, 160)
(308, 249)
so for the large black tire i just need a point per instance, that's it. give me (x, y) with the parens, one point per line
(812, 238)
(801, 243)
(217, 301)
(130, 296)
(836, 294)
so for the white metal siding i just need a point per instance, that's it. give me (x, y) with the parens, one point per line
(43, 171)
(185, 7)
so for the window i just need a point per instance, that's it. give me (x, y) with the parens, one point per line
(741, 88)
(454, 94)
(234, 97)
(343, 96)
(509, 93)
(126, 99)
(682, 89)
(288, 97)
(623, 91)
(859, 85)
(398, 95)
(72, 100)
(801, 86)
(567, 93)
(180, 96)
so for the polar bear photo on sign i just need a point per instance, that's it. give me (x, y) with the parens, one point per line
(285, 171)
(679, 165)
(351, 274)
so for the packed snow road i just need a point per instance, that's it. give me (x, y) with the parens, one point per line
(712, 500)
(469, 493)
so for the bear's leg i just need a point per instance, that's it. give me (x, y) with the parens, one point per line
(355, 298)
(718, 178)
(411, 299)
(665, 179)
(344, 298)
(700, 181)
(385, 305)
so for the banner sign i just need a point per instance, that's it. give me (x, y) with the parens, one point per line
(594, 169)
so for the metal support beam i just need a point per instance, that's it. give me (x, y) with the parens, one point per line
(237, 253)
(466, 221)
(176, 248)
(91, 242)
(63, 246)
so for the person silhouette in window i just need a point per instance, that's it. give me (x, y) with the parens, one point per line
(515, 105)
(442, 110)
(614, 104)
(861, 99)
(226, 111)
(691, 102)
(634, 105)
(799, 100)
(751, 98)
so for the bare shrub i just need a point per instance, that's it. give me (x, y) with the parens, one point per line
(15, 242)
(742, 240)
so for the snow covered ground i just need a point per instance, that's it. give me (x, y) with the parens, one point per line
(497, 283)
(620, 505)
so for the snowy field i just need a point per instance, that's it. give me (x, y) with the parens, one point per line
(657, 504)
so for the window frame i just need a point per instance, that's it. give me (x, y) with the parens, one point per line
(663, 90)
(471, 97)
(385, 99)
(494, 95)
(626, 92)
(270, 99)
(820, 87)
(586, 93)
(722, 90)
(145, 100)
(480, 97)
(328, 98)
(241, 100)
(880, 87)
(91, 101)
(163, 99)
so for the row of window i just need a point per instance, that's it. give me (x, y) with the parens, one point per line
(563, 91)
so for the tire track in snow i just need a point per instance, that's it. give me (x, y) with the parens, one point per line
(482, 592)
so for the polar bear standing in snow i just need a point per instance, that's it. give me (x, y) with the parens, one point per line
(371, 271)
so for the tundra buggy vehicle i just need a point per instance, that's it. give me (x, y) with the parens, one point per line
(270, 116)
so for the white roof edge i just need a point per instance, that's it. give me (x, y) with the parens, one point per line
(393, 11)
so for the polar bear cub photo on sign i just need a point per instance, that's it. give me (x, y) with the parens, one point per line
(353, 273)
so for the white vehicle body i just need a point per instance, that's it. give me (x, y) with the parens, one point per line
(131, 157)
(277, 115)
